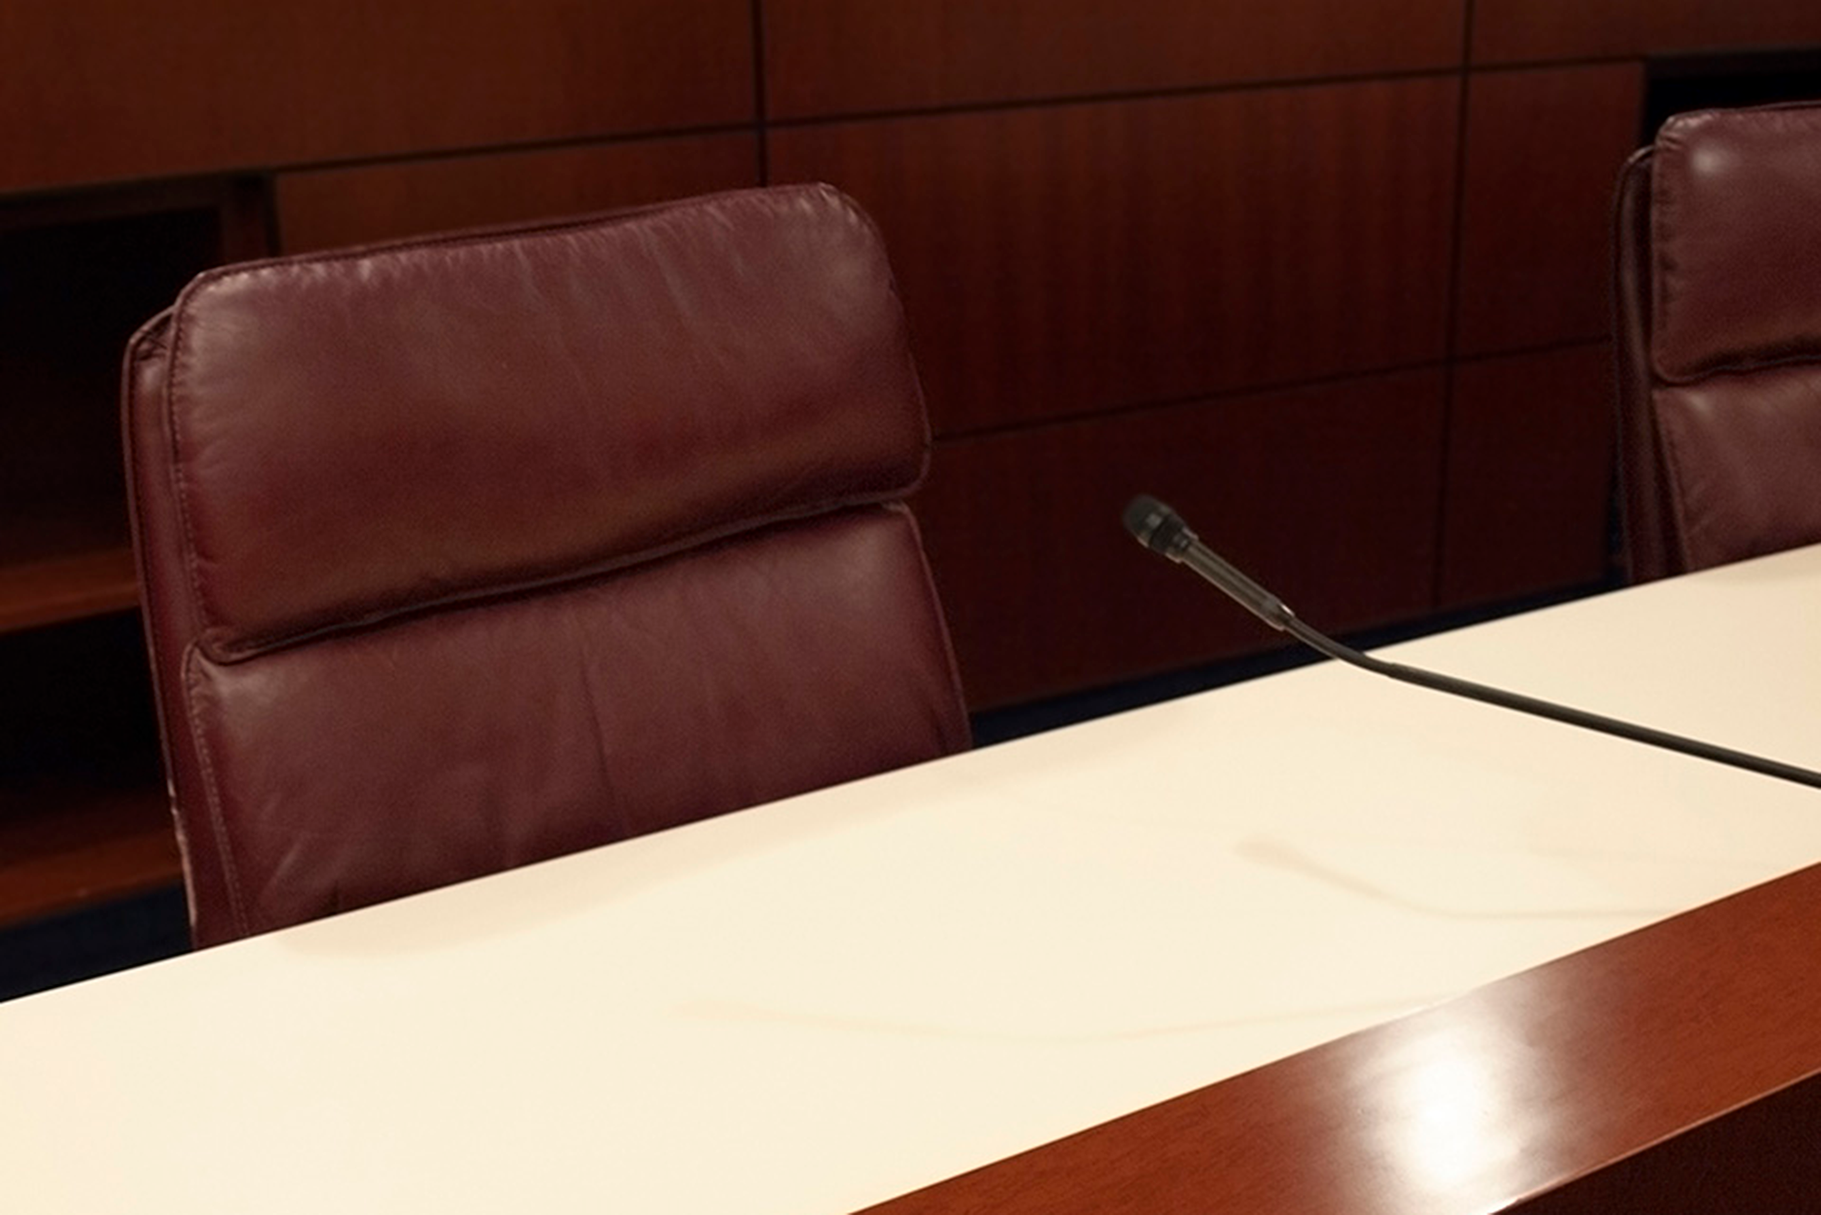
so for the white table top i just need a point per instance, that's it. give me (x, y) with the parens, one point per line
(820, 1004)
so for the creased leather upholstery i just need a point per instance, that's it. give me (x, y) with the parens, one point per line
(466, 552)
(1718, 240)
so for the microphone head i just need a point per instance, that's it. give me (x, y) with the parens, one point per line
(1156, 526)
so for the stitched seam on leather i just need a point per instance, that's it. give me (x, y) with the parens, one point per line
(964, 737)
(1707, 372)
(1633, 330)
(179, 481)
(910, 358)
(1672, 476)
(610, 796)
(383, 611)
(212, 796)
(1654, 221)
(155, 618)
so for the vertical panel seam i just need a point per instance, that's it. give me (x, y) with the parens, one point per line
(760, 117)
(1451, 339)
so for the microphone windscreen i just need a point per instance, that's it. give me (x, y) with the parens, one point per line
(1153, 524)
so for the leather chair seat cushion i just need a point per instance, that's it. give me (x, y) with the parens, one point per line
(508, 414)
(512, 732)
(1742, 462)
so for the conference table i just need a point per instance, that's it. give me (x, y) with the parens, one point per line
(1314, 942)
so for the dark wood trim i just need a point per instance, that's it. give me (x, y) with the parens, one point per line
(67, 588)
(1678, 1066)
(82, 845)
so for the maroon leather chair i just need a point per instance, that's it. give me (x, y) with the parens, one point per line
(465, 552)
(1719, 339)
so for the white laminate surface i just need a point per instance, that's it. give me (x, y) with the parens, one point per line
(822, 1003)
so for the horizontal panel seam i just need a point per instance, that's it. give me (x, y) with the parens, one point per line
(1274, 388)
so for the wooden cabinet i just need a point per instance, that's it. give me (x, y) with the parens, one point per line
(82, 811)
(144, 147)
(83, 817)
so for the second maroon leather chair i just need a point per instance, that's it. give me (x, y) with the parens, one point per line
(1719, 336)
(466, 552)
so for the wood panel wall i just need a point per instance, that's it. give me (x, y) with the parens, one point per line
(108, 89)
(1332, 278)
(828, 57)
(1506, 31)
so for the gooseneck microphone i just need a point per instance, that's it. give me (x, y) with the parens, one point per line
(1162, 530)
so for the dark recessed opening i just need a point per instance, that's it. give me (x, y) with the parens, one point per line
(1674, 84)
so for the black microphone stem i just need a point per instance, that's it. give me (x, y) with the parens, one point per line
(1162, 530)
(1543, 708)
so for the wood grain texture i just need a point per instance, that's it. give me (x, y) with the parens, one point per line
(67, 588)
(1080, 258)
(835, 56)
(1632, 1056)
(82, 846)
(83, 814)
(74, 284)
(1544, 152)
(94, 90)
(1530, 461)
(1524, 30)
(326, 209)
(1326, 494)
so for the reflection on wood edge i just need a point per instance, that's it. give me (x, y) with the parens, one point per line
(1678, 1066)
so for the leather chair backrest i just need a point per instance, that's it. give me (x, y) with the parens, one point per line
(1718, 240)
(466, 552)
